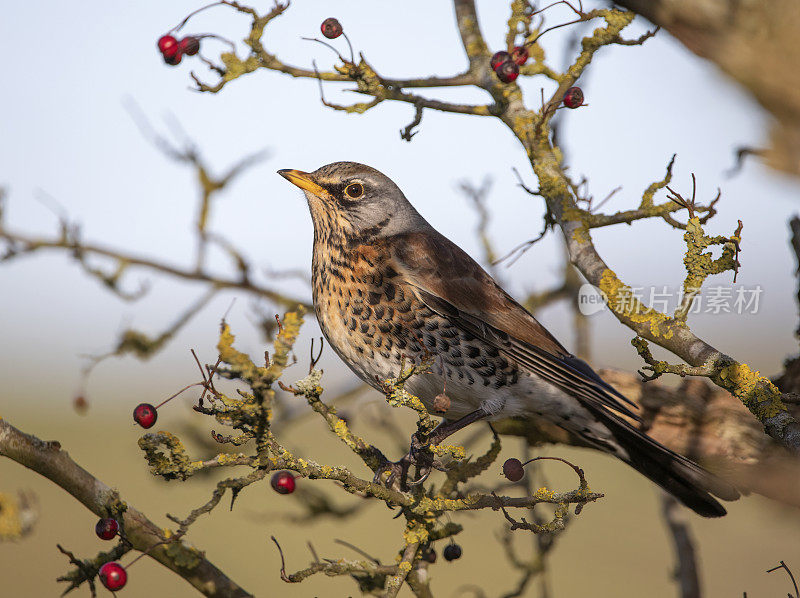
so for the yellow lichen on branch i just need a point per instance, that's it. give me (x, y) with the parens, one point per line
(757, 392)
(624, 302)
(424, 507)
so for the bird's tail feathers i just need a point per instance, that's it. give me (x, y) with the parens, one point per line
(685, 480)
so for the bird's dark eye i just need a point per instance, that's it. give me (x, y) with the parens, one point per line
(354, 190)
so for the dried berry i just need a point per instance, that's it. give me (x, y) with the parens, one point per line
(331, 28)
(507, 72)
(189, 45)
(145, 415)
(519, 54)
(282, 482)
(80, 404)
(499, 58)
(441, 403)
(174, 59)
(106, 528)
(452, 552)
(574, 97)
(513, 470)
(113, 576)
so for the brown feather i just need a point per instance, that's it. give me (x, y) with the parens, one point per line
(442, 268)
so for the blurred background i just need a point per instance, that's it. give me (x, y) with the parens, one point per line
(83, 78)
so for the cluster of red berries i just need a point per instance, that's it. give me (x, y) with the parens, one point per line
(506, 64)
(112, 575)
(172, 49)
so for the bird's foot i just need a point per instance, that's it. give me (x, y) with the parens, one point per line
(397, 471)
(418, 456)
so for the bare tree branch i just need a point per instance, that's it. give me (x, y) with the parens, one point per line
(50, 461)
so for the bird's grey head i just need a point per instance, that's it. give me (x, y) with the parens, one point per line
(354, 202)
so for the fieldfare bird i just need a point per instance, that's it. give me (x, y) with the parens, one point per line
(387, 286)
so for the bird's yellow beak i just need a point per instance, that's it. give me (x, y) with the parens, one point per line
(303, 180)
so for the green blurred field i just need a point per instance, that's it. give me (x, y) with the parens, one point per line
(617, 547)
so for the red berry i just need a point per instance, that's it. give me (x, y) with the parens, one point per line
(499, 58)
(175, 59)
(189, 45)
(513, 470)
(331, 28)
(282, 482)
(507, 72)
(452, 552)
(574, 97)
(519, 54)
(113, 576)
(168, 45)
(145, 415)
(106, 528)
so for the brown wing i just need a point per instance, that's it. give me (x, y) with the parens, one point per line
(453, 285)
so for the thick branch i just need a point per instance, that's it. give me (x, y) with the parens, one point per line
(48, 460)
(757, 392)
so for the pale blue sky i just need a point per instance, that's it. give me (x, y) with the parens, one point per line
(65, 130)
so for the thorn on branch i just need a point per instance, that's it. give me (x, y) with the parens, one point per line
(639, 40)
(284, 577)
(741, 154)
(358, 107)
(408, 132)
(662, 367)
(85, 572)
(290, 389)
(789, 573)
(605, 200)
(688, 205)
(334, 50)
(548, 222)
(735, 240)
(312, 551)
(315, 360)
(358, 550)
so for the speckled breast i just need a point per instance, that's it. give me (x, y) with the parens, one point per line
(372, 318)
